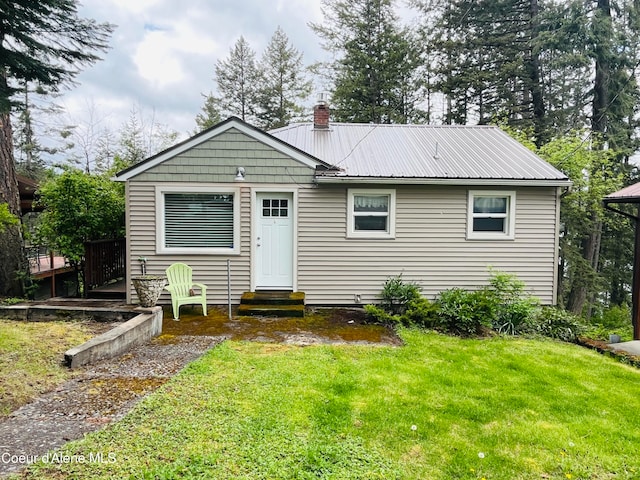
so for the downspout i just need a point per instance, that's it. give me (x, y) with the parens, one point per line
(635, 287)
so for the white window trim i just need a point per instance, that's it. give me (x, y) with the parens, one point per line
(352, 232)
(160, 225)
(509, 234)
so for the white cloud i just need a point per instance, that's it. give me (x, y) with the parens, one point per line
(136, 7)
(163, 53)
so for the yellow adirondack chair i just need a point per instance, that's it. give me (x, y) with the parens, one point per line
(182, 290)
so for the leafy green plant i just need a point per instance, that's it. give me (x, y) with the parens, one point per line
(79, 207)
(421, 312)
(615, 320)
(12, 301)
(556, 323)
(380, 315)
(396, 294)
(616, 316)
(514, 308)
(465, 312)
(6, 217)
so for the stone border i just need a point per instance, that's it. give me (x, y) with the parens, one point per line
(606, 349)
(138, 330)
(39, 313)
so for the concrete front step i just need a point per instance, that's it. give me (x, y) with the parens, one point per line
(272, 304)
(272, 298)
(271, 310)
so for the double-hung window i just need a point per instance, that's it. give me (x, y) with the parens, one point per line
(197, 220)
(491, 215)
(371, 213)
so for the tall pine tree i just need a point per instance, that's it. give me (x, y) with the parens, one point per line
(238, 78)
(376, 64)
(284, 84)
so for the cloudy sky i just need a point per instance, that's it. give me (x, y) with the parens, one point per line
(164, 53)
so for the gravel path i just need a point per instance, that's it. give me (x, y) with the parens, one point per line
(101, 394)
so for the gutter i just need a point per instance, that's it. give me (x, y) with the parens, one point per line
(443, 181)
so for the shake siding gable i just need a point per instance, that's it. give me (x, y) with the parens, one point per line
(217, 160)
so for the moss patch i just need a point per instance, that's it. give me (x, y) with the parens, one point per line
(33, 352)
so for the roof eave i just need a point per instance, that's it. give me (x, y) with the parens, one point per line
(628, 199)
(232, 122)
(553, 182)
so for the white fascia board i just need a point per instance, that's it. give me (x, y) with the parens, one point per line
(197, 140)
(444, 181)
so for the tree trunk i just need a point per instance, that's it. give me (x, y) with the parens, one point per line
(603, 31)
(535, 82)
(12, 260)
(584, 281)
(582, 290)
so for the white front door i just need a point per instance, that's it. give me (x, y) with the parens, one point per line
(274, 241)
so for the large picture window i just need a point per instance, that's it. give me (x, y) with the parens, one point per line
(371, 213)
(198, 221)
(491, 215)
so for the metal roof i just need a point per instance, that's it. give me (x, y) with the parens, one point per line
(630, 194)
(419, 152)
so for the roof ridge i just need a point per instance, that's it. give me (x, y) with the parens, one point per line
(387, 125)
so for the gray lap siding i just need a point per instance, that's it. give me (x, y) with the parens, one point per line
(430, 245)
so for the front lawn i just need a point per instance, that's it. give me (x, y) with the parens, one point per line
(31, 358)
(438, 408)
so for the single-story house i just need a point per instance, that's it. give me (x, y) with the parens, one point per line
(334, 209)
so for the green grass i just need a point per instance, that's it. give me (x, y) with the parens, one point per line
(438, 408)
(31, 355)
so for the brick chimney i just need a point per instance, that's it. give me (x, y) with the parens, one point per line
(321, 113)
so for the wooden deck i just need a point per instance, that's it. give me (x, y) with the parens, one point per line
(51, 270)
(48, 267)
(45, 266)
(114, 290)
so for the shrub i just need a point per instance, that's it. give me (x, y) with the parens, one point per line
(514, 308)
(612, 320)
(466, 312)
(396, 294)
(614, 317)
(556, 323)
(380, 315)
(421, 313)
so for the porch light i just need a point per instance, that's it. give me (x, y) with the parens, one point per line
(239, 175)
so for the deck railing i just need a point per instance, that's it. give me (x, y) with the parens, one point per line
(104, 261)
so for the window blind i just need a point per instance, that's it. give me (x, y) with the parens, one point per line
(198, 220)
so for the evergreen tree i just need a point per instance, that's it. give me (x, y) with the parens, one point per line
(550, 67)
(209, 115)
(44, 42)
(238, 82)
(376, 61)
(283, 83)
(140, 137)
(27, 147)
(488, 62)
(593, 173)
